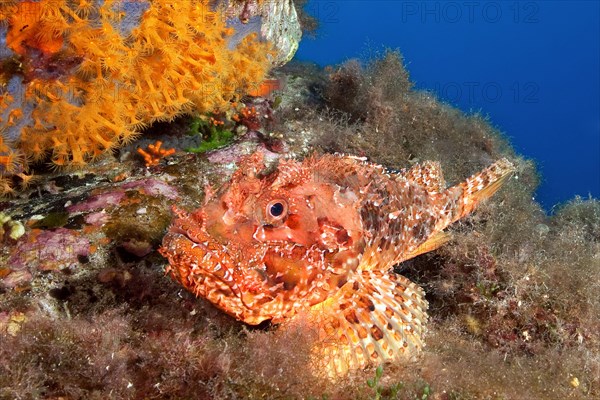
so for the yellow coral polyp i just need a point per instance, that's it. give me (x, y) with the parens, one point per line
(24, 30)
(175, 60)
(9, 160)
(84, 8)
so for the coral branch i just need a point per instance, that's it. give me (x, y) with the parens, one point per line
(155, 153)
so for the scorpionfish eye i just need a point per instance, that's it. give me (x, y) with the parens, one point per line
(276, 210)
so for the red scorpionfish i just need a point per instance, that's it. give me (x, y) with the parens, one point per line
(320, 237)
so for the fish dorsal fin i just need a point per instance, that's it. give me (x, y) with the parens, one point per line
(375, 317)
(436, 241)
(428, 175)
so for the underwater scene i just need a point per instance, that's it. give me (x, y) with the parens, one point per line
(299, 199)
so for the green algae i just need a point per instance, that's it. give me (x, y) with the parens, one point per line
(213, 137)
(52, 220)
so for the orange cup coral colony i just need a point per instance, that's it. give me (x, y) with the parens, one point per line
(81, 77)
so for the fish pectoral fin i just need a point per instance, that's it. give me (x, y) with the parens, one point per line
(436, 241)
(374, 317)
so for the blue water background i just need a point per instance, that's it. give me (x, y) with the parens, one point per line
(532, 66)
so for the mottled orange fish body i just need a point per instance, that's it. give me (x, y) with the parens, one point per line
(320, 237)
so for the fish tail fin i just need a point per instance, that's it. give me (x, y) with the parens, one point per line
(375, 317)
(482, 186)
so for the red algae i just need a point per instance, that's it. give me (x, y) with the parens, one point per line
(49, 250)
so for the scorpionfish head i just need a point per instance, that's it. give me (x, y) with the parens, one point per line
(271, 242)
